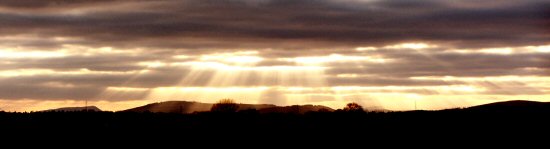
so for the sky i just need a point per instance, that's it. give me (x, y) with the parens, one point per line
(391, 54)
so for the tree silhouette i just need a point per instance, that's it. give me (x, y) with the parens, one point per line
(353, 107)
(225, 105)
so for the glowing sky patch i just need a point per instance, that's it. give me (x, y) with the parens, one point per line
(240, 75)
(414, 46)
(14, 54)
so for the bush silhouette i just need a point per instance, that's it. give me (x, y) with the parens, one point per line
(353, 107)
(225, 105)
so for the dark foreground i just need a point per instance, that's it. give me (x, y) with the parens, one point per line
(510, 120)
(448, 126)
(250, 120)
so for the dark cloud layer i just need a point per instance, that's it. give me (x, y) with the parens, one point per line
(279, 23)
(37, 4)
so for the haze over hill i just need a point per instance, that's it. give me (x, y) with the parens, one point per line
(190, 107)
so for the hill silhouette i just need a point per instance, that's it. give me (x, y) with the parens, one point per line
(183, 117)
(74, 109)
(512, 106)
(186, 107)
(300, 109)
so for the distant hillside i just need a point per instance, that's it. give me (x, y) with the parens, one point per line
(74, 109)
(376, 109)
(515, 105)
(190, 107)
(172, 107)
(295, 109)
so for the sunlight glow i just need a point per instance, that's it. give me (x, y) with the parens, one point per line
(505, 50)
(153, 64)
(415, 46)
(14, 54)
(347, 75)
(126, 89)
(181, 56)
(366, 49)
(334, 58)
(542, 49)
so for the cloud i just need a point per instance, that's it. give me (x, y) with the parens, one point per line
(510, 88)
(34, 4)
(151, 69)
(431, 63)
(33, 91)
(121, 50)
(381, 81)
(280, 23)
